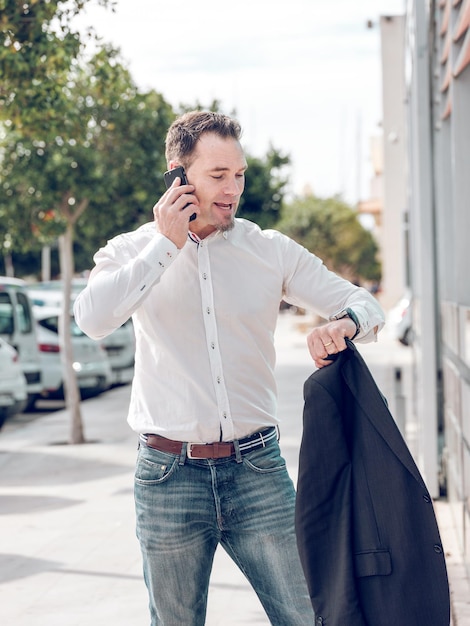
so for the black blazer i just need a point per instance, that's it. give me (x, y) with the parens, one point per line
(366, 530)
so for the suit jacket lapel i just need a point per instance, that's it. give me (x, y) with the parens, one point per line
(362, 385)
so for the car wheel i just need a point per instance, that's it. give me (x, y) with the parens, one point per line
(30, 402)
(3, 415)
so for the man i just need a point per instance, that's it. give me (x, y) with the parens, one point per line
(204, 296)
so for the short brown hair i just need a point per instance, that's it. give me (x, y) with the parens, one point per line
(186, 130)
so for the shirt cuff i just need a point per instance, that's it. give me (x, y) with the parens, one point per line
(159, 253)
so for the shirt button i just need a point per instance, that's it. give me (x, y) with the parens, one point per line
(218, 380)
(204, 276)
(208, 311)
(213, 345)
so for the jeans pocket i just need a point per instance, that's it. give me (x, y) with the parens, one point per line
(154, 467)
(265, 460)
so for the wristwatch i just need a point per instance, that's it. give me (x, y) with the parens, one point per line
(348, 313)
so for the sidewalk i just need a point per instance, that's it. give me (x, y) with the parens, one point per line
(68, 553)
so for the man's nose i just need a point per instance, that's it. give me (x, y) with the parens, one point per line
(232, 188)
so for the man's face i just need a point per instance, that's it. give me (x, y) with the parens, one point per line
(218, 175)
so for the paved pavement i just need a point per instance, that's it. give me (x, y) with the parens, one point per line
(68, 553)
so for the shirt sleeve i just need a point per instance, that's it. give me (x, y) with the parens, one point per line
(122, 277)
(310, 284)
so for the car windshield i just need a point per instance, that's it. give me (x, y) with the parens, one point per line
(52, 323)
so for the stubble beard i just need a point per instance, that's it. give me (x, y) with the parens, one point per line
(223, 228)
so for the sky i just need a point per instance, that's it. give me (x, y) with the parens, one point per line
(302, 76)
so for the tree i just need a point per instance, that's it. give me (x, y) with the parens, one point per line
(38, 47)
(63, 133)
(330, 228)
(133, 153)
(265, 188)
(108, 165)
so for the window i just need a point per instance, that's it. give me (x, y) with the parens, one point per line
(24, 313)
(7, 324)
(52, 323)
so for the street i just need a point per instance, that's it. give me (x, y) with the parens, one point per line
(68, 553)
(43, 408)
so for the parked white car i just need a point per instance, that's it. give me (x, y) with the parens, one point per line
(399, 320)
(13, 388)
(120, 345)
(91, 363)
(17, 328)
(50, 292)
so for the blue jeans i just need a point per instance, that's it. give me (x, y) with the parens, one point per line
(186, 507)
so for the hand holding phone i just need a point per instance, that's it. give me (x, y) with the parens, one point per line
(169, 177)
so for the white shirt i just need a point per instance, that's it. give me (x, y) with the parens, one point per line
(204, 318)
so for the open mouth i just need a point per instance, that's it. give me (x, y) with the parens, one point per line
(224, 206)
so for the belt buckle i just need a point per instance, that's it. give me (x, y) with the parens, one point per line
(189, 452)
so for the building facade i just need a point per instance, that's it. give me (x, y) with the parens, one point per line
(436, 76)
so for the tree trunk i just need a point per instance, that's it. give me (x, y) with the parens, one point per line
(71, 390)
(8, 260)
(46, 263)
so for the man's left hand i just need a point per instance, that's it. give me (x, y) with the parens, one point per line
(329, 339)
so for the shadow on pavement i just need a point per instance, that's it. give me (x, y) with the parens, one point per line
(14, 505)
(39, 468)
(15, 566)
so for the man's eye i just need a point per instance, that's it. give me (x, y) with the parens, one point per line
(217, 177)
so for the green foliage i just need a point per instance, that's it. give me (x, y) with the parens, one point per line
(264, 189)
(330, 228)
(198, 106)
(38, 47)
(134, 159)
(107, 158)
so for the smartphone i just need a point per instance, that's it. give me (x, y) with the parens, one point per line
(177, 172)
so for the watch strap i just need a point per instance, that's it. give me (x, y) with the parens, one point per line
(353, 316)
(348, 312)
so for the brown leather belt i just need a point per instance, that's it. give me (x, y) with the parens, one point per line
(216, 450)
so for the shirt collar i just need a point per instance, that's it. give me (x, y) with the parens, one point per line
(193, 237)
